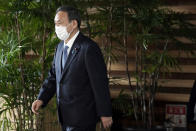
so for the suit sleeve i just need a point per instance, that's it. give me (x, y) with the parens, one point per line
(49, 85)
(191, 104)
(97, 73)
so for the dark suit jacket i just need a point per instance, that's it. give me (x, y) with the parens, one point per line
(81, 87)
(191, 104)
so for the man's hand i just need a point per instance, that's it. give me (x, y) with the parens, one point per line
(36, 105)
(106, 121)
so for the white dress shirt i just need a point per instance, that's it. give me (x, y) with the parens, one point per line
(70, 42)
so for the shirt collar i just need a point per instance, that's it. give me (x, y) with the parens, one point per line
(71, 41)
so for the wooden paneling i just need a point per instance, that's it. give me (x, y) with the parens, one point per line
(162, 83)
(175, 86)
(179, 2)
(172, 97)
(172, 75)
(174, 53)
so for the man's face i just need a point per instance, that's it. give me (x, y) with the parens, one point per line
(62, 19)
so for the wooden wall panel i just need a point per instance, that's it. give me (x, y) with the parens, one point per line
(174, 87)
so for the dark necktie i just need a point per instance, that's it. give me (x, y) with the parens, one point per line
(64, 58)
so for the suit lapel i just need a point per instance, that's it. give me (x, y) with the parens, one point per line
(72, 54)
(58, 60)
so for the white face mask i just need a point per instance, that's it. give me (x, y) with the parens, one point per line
(61, 32)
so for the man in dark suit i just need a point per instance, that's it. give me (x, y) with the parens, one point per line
(78, 76)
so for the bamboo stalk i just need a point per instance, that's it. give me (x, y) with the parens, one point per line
(21, 69)
(88, 24)
(127, 63)
(110, 38)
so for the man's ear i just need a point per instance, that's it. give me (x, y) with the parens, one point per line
(75, 24)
